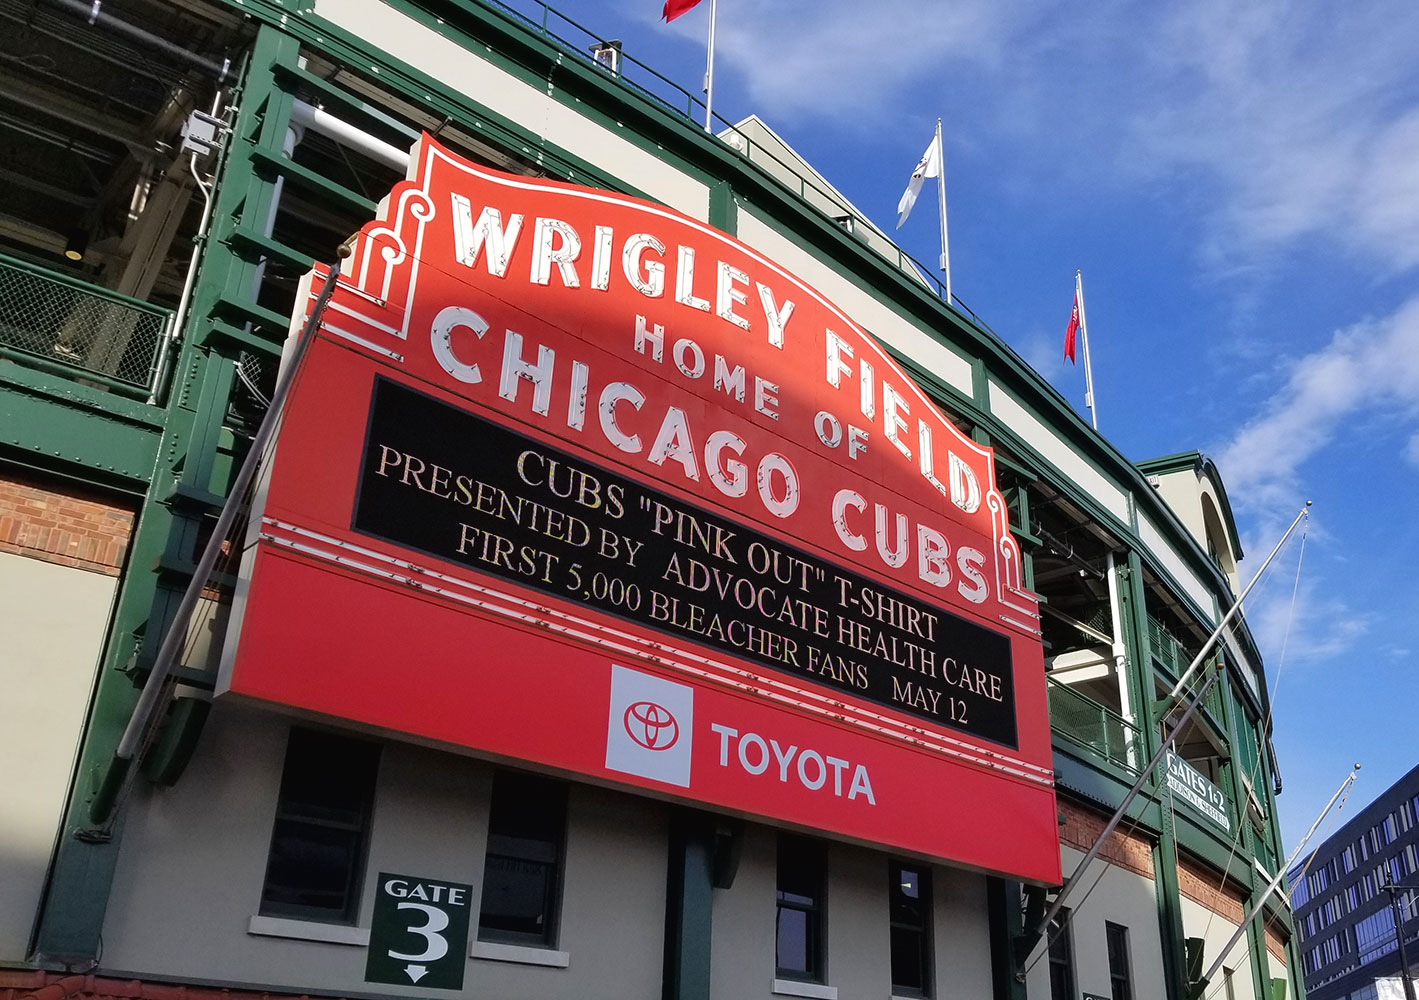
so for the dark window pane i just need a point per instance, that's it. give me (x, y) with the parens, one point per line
(1061, 958)
(322, 817)
(521, 872)
(908, 960)
(1119, 976)
(793, 951)
(802, 869)
(909, 909)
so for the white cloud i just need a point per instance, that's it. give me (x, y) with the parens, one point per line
(835, 59)
(1290, 122)
(1370, 367)
(1306, 119)
(1318, 628)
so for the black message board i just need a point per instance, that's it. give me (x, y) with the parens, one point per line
(449, 483)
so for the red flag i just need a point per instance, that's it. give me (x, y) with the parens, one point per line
(1073, 328)
(674, 8)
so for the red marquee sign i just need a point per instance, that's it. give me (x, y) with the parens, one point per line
(572, 479)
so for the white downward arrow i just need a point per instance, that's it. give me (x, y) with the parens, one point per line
(416, 972)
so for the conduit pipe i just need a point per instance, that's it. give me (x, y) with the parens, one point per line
(93, 13)
(342, 132)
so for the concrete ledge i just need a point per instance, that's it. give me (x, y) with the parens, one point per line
(308, 930)
(495, 952)
(796, 988)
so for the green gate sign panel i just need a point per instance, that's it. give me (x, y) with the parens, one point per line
(419, 933)
(1188, 783)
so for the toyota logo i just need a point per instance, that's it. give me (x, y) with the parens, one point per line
(651, 725)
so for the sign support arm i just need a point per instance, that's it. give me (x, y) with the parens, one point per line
(106, 800)
(1071, 883)
(1280, 874)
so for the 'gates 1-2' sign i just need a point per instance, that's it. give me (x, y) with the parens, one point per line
(573, 479)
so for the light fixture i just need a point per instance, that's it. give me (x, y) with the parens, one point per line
(78, 242)
(607, 54)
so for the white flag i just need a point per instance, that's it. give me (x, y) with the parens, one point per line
(930, 166)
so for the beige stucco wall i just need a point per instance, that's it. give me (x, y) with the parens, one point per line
(1120, 897)
(52, 624)
(856, 914)
(465, 71)
(194, 856)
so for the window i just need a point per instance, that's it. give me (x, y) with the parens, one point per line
(1120, 977)
(909, 913)
(1061, 958)
(527, 821)
(1227, 980)
(802, 871)
(318, 841)
(1374, 936)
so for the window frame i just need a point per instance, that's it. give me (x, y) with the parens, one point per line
(804, 851)
(1060, 935)
(921, 929)
(303, 745)
(1120, 976)
(522, 787)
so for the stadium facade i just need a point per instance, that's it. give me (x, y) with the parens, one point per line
(657, 589)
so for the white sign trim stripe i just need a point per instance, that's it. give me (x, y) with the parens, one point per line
(755, 684)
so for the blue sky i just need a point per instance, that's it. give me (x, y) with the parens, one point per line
(1240, 185)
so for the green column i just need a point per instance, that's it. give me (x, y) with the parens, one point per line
(689, 906)
(188, 476)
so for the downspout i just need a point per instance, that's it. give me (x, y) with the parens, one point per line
(184, 302)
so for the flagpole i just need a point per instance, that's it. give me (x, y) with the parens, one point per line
(709, 72)
(941, 198)
(1084, 332)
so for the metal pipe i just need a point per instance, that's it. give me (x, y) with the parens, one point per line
(340, 131)
(1256, 908)
(1404, 976)
(106, 799)
(184, 301)
(1236, 607)
(93, 13)
(1147, 771)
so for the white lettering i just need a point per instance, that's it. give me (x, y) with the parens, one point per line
(516, 368)
(468, 239)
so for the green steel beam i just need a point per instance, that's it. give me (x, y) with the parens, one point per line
(189, 456)
(64, 421)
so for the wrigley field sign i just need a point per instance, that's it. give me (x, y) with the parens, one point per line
(572, 479)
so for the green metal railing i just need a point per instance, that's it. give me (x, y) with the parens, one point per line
(67, 327)
(1093, 726)
(1174, 658)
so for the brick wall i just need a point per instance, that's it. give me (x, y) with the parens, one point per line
(1275, 944)
(70, 528)
(1202, 885)
(1127, 850)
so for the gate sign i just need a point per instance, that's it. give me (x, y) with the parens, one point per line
(418, 933)
(1193, 787)
(572, 479)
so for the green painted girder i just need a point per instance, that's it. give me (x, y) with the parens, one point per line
(78, 425)
(194, 454)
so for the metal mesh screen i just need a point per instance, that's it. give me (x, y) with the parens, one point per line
(82, 327)
(1087, 722)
